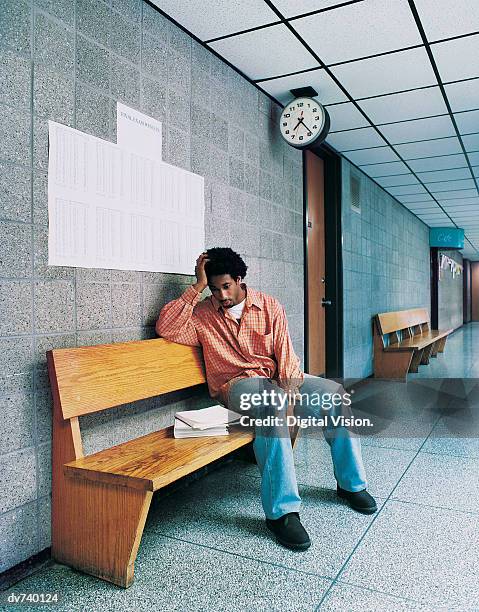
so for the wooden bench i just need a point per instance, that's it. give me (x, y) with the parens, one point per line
(100, 502)
(403, 340)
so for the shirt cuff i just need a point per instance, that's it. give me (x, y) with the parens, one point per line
(191, 296)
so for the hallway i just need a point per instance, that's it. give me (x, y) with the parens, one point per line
(419, 552)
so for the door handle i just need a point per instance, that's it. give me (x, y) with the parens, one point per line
(325, 302)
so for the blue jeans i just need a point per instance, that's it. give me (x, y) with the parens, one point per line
(272, 445)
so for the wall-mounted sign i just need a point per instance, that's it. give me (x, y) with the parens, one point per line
(446, 237)
(446, 262)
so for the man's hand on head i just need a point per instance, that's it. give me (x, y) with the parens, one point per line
(201, 280)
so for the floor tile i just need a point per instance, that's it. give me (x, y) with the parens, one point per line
(443, 481)
(344, 597)
(423, 553)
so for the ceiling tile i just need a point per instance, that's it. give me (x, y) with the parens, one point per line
(355, 139)
(429, 148)
(256, 53)
(406, 105)
(217, 17)
(463, 95)
(328, 91)
(445, 185)
(448, 19)
(402, 179)
(444, 162)
(415, 198)
(471, 142)
(451, 195)
(372, 156)
(406, 190)
(462, 202)
(474, 159)
(457, 59)
(468, 122)
(358, 30)
(345, 117)
(387, 169)
(443, 175)
(291, 8)
(386, 74)
(418, 129)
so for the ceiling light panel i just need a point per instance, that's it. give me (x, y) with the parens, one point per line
(355, 139)
(372, 156)
(406, 105)
(418, 129)
(457, 59)
(291, 8)
(448, 19)
(345, 117)
(328, 91)
(386, 74)
(358, 30)
(217, 17)
(429, 148)
(468, 123)
(463, 95)
(443, 175)
(444, 162)
(257, 54)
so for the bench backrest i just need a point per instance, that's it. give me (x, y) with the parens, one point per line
(92, 378)
(402, 319)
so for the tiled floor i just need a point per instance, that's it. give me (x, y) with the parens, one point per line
(206, 547)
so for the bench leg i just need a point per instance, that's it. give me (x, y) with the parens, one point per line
(99, 529)
(426, 354)
(435, 348)
(441, 344)
(416, 360)
(392, 365)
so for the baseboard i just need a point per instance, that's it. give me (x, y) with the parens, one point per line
(24, 569)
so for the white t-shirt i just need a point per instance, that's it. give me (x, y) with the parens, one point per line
(237, 310)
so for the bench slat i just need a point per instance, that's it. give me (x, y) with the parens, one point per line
(157, 459)
(393, 321)
(92, 378)
(418, 341)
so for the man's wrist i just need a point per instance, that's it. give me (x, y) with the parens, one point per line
(199, 287)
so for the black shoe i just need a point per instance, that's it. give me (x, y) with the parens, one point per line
(360, 501)
(289, 532)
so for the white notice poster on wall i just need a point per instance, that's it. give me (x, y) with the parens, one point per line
(110, 207)
(138, 132)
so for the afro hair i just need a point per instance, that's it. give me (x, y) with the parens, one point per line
(224, 261)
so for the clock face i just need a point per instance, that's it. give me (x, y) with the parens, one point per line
(304, 121)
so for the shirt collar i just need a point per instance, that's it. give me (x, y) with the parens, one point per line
(252, 297)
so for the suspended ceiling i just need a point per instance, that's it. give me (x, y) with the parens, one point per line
(400, 80)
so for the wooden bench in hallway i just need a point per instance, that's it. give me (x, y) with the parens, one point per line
(403, 340)
(100, 502)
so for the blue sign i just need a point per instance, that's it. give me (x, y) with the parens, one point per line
(446, 237)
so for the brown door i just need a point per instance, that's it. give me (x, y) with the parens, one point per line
(316, 283)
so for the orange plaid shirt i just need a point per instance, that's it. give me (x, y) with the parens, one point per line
(259, 345)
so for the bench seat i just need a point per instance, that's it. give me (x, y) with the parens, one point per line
(155, 460)
(419, 341)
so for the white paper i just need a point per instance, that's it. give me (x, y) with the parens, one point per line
(138, 132)
(205, 418)
(110, 207)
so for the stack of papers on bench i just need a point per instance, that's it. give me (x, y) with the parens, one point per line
(212, 421)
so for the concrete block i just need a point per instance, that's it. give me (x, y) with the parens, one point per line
(200, 156)
(18, 535)
(93, 306)
(15, 307)
(154, 57)
(18, 481)
(16, 239)
(181, 42)
(16, 355)
(44, 455)
(127, 335)
(94, 20)
(219, 132)
(126, 38)
(15, 81)
(54, 44)
(53, 306)
(16, 422)
(125, 276)
(125, 83)
(178, 150)
(44, 522)
(40, 143)
(179, 110)
(92, 64)
(126, 310)
(15, 193)
(153, 98)
(154, 298)
(53, 94)
(90, 338)
(155, 24)
(41, 267)
(15, 131)
(61, 9)
(131, 9)
(92, 111)
(236, 172)
(15, 26)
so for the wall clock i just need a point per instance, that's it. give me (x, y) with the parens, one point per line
(304, 122)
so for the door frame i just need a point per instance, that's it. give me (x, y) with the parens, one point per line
(333, 260)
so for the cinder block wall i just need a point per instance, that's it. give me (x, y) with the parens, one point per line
(450, 302)
(385, 266)
(70, 62)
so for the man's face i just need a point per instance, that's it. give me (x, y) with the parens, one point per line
(226, 289)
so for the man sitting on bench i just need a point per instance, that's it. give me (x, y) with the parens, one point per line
(248, 353)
